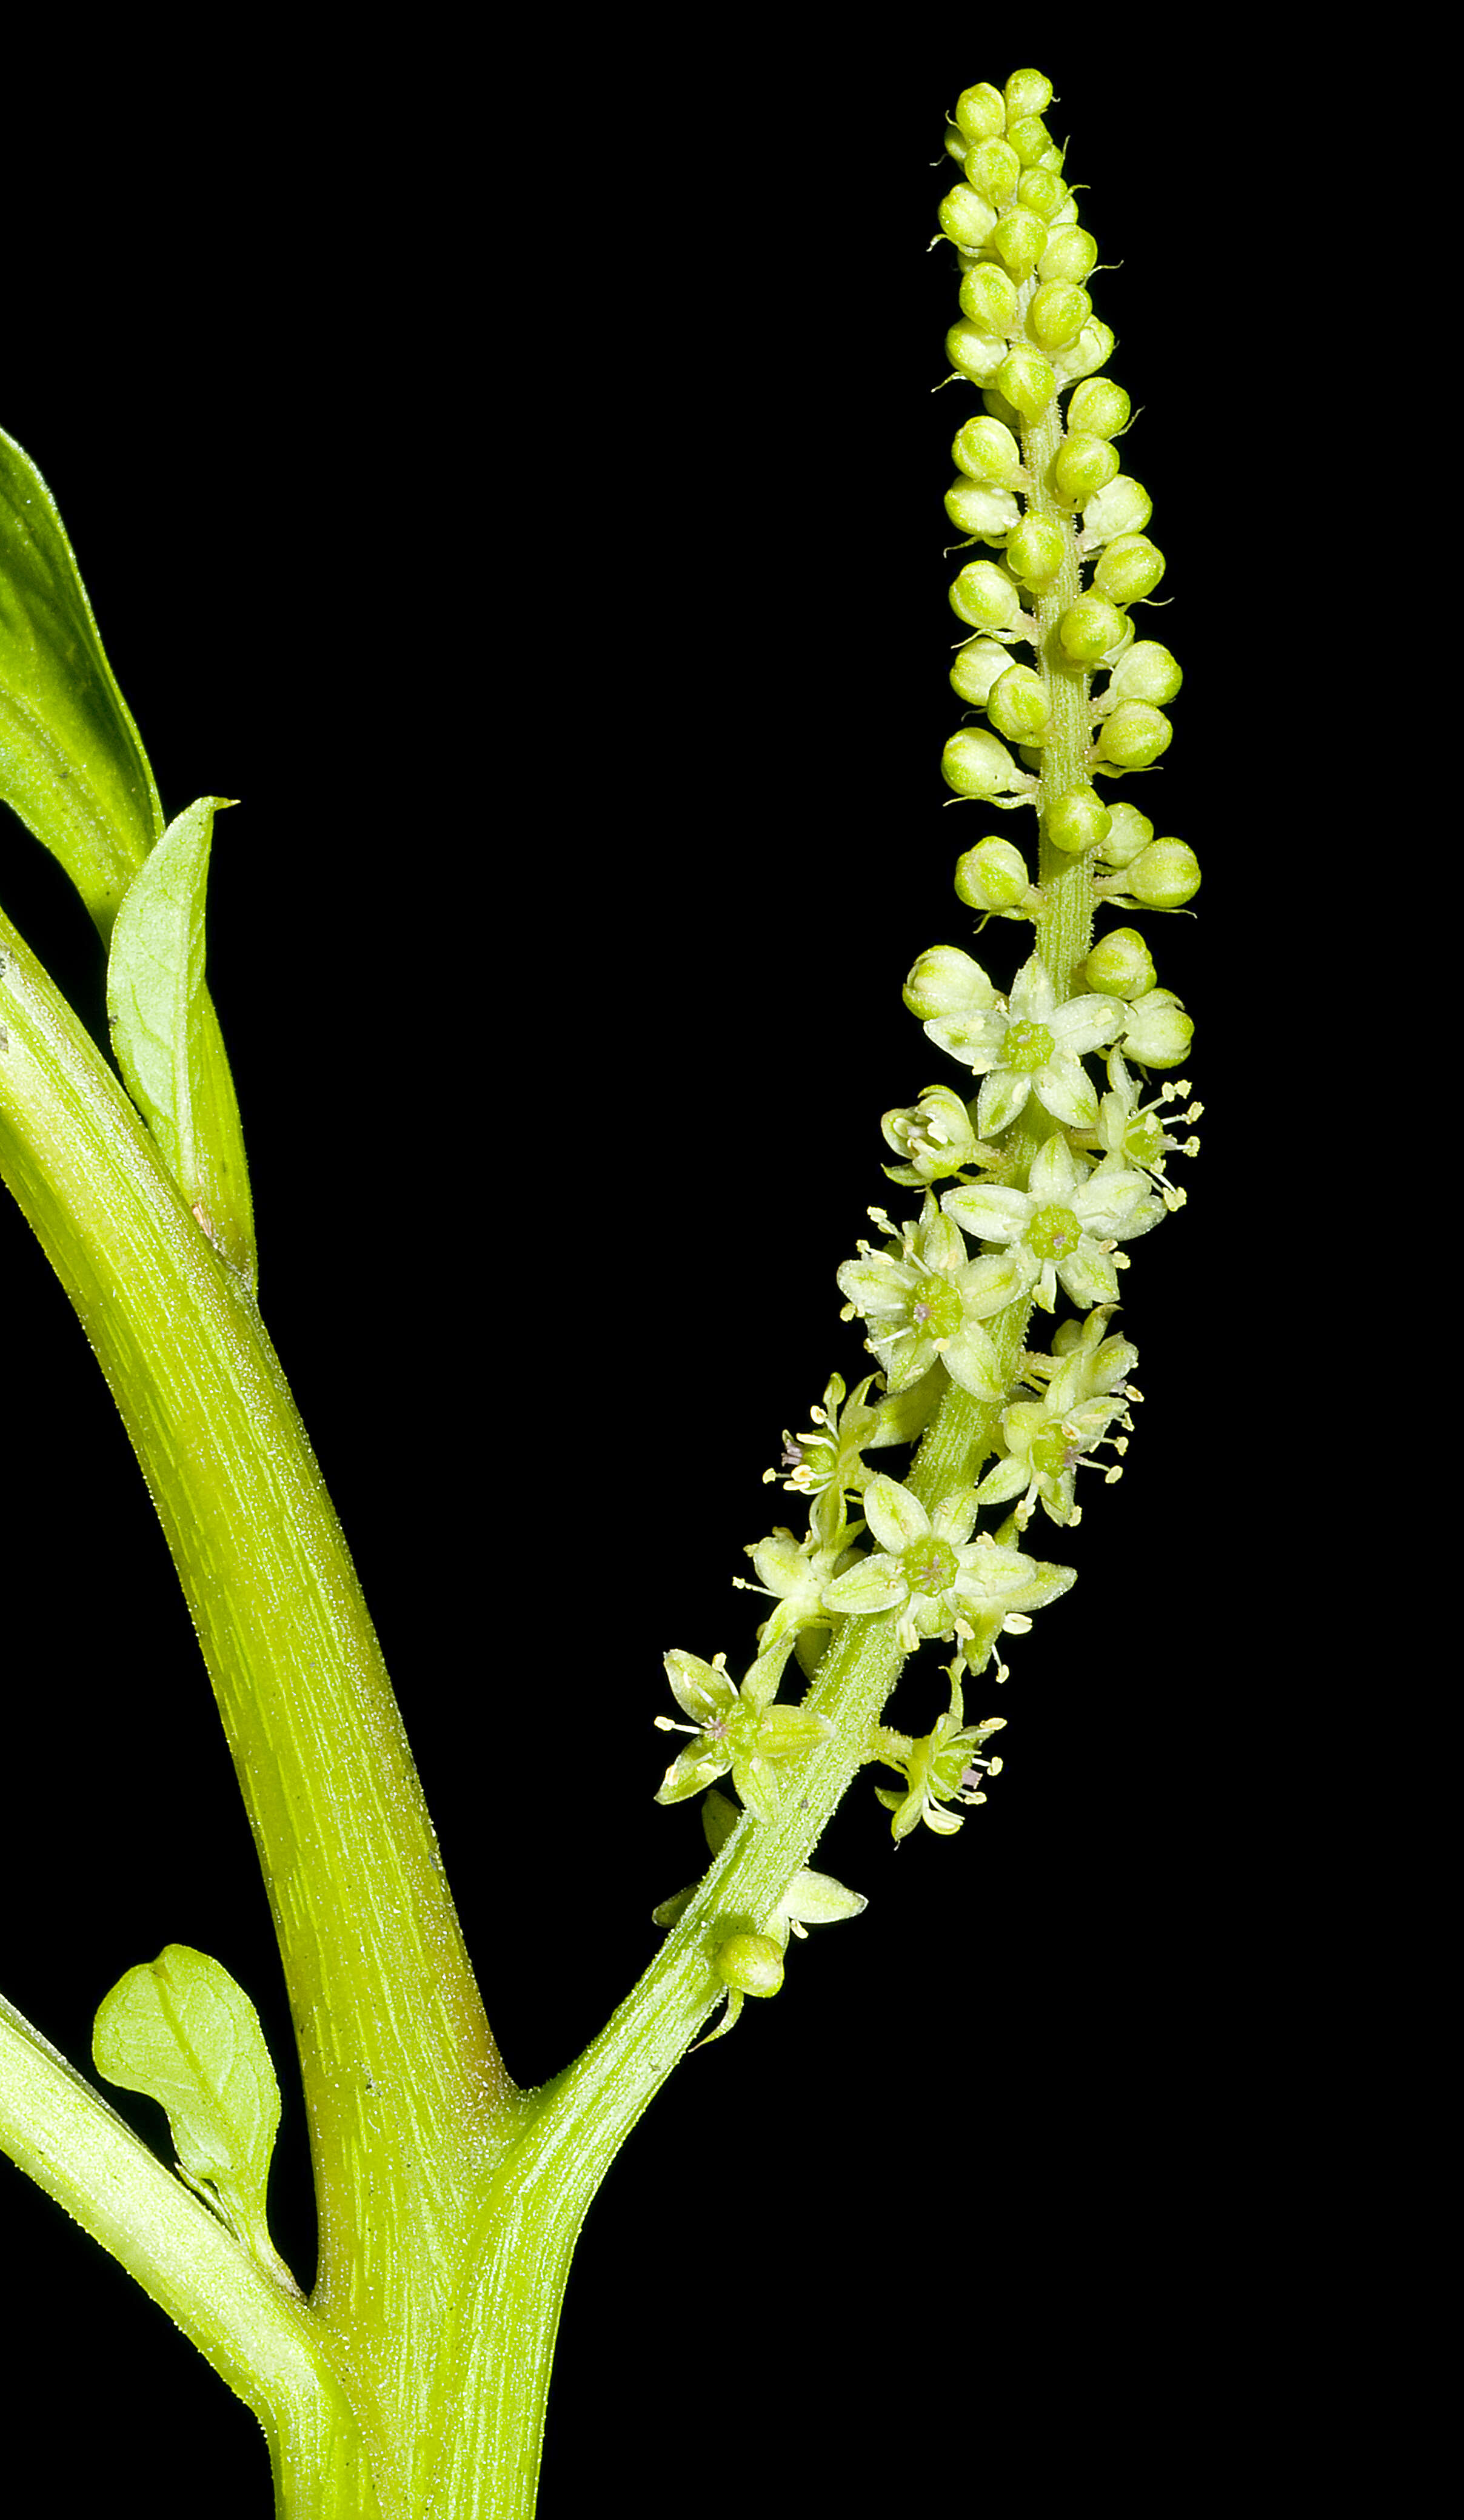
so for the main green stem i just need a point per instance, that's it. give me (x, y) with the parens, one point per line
(399, 2070)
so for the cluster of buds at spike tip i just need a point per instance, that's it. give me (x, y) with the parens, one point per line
(1065, 553)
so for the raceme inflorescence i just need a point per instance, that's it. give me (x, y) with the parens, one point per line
(992, 1306)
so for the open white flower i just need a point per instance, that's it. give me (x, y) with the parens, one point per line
(1034, 1046)
(1065, 1223)
(943, 1583)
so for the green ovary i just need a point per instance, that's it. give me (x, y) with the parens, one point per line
(1049, 1452)
(1054, 1233)
(937, 1308)
(930, 1566)
(1028, 1047)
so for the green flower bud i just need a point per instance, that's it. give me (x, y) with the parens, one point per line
(944, 981)
(1057, 314)
(1027, 92)
(1083, 467)
(1164, 876)
(1134, 735)
(1019, 237)
(1090, 628)
(980, 663)
(1029, 136)
(1093, 348)
(1127, 832)
(1129, 569)
(972, 353)
(1125, 507)
(1042, 189)
(1078, 821)
(1146, 671)
(976, 507)
(989, 296)
(750, 1963)
(1028, 382)
(966, 218)
(1099, 407)
(980, 113)
(985, 598)
(1019, 706)
(993, 876)
(1037, 550)
(975, 764)
(1071, 253)
(988, 452)
(991, 169)
(1158, 1032)
(1121, 964)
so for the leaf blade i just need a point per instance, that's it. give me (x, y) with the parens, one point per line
(180, 2030)
(166, 1037)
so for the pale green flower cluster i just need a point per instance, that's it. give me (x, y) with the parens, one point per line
(1046, 1157)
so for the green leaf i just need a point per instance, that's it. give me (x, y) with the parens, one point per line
(71, 761)
(180, 2030)
(72, 766)
(159, 1015)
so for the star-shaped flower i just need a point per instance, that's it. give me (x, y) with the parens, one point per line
(939, 1768)
(924, 1303)
(741, 1729)
(1033, 1047)
(1046, 1440)
(1064, 1225)
(942, 1582)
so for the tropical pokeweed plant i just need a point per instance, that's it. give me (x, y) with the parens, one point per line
(931, 1496)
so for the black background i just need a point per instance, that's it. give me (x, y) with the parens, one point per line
(528, 505)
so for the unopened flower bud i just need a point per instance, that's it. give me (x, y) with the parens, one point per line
(1019, 237)
(1028, 382)
(980, 113)
(966, 218)
(1077, 820)
(1146, 671)
(1129, 569)
(978, 665)
(975, 508)
(1018, 705)
(993, 876)
(944, 981)
(752, 1963)
(992, 170)
(1029, 136)
(1092, 628)
(1127, 832)
(1133, 736)
(1057, 314)
(1093, 348)
(1027, 92)
(1158, 1031)
(1124, 507)
(1037, 550)
(983, 596)
(987, 295)
(1070, 254)
(1164, 875)
(973, 353)
(1099, 407)
(1042, 189)
(1083, 467)
(1121, 964)
(988, 452)
(975, 764)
